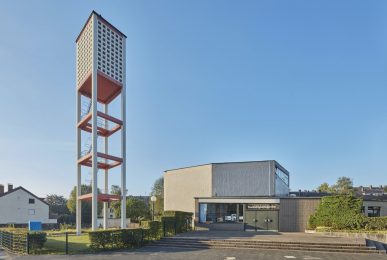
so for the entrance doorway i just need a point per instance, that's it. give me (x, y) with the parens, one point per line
(261, 220)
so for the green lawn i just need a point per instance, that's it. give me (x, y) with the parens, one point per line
(57, 244)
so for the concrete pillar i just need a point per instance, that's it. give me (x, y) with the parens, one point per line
(94, 106)
(123, 142)
(78, 218)
(106, 189)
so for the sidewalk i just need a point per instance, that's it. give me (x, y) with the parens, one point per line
(271, 236)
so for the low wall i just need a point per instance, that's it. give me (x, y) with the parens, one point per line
(371, 236)
(116, 223)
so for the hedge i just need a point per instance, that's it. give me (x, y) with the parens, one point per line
(180, 219)
(173, 222)
(36, 240)
(116, 239)
(343, 212)
(375, 223)
(154, 229)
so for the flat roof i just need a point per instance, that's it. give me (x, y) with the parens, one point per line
(227, 163)
(257, 197)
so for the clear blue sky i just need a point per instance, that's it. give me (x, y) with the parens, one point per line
(301, 82)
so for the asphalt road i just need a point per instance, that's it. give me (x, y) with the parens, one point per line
(213, 254)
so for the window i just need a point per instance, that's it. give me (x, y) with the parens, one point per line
(218, 212)
(31, 212)
(31, 201)
(373, 211)
(282, 175)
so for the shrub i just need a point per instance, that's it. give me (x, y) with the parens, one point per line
(37, 240)
(116, 239)
(343, 212)
(180, 220)
(375, 223)
(154, 229)
(338, 212)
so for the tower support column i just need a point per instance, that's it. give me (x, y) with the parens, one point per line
(123, 145)
(78, 218)
(106, 175)
(94, 134)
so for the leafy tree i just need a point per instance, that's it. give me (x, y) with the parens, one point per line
(115, 189)
(58, 207)
(158, 191)
(324, 187)
(344, 185)
(137, 209)
(86, 205)
(58, 204)
(116, 205)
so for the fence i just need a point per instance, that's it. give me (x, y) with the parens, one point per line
(15, 242)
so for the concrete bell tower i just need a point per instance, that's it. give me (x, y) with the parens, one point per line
(100, 79)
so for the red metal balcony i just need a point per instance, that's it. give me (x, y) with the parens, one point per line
(101, 197)
(110, 162)
(101, 131)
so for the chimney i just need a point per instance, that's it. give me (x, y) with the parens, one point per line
(10, 186)
(1, 189)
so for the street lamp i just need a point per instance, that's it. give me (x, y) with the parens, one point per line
(153, 199)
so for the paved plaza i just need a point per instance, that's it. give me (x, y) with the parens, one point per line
(154, 253)
(271, 236)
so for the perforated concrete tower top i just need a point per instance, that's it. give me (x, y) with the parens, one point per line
(103, 46)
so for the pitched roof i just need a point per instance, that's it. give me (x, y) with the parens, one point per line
(21, 188)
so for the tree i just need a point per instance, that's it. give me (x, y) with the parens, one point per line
(58, 204)
(136, 209)
(324, 187)
(116, 205)
(158, 191)
(58, 207)
(86, 205)
(344, 185)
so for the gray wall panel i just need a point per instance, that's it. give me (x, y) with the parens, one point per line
(243, 179)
